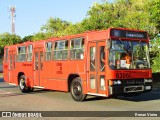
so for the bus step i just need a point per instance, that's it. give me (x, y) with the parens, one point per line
(39, 87)
(95, 94)
(12, 84)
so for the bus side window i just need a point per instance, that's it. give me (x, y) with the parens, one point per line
(61, 50)
(21, 53)
(6, 55)
(36, 61)
(102, 58)
(92, 58)
(77, 48)
(29, 54)
(41, 60)
(11, 62)
(48, 51)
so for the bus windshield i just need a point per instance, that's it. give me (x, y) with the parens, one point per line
(129, 55)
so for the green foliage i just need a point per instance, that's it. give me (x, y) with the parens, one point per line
(8, 39)
(39, 36)
(27, 38)
(72, 29)
(155, 54)
(123, 13)
(98, 17)
(154, 14)
(55, 26)
(156, 64)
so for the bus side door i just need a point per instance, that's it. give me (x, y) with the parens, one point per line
(6, 65)
(38, 66)
(12, 57)
(96, 60)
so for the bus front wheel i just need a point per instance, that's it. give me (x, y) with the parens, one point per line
(77, 90)
(22, 84)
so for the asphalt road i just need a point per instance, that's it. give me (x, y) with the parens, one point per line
(11, 99)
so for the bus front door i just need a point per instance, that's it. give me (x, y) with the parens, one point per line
(96, 60)
(38, 66)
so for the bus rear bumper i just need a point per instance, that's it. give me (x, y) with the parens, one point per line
(123, 90)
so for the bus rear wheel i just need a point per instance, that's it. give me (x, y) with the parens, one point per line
(77, 90)
(22, 84)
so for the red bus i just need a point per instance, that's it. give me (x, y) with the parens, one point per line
(102, 63)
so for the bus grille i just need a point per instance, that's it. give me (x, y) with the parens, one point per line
(133, 89)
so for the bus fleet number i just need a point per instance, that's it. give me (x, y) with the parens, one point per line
(59, 67)
(122, 75)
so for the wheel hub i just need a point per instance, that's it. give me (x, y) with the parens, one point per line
(22, 83)
(77, 89)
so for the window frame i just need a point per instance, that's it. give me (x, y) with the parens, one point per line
(18, 51)
(82, 47)
(57, 48)
(6, 55)
(29, 60)
(48, 51)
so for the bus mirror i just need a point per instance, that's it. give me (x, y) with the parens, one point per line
(108, 44)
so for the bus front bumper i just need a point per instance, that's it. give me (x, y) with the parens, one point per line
(122, 90)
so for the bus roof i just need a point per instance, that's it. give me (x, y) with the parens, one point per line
(89, 35)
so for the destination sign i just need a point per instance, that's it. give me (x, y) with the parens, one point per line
(128, 34)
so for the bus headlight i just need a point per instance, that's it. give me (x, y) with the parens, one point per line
(147, 80)
(117, 82)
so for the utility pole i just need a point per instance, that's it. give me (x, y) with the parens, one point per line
(12, 10)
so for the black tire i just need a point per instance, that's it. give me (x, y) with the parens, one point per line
(77, 90)
(22, 84)
(30, 89)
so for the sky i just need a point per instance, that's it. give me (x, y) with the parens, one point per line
(32, 14)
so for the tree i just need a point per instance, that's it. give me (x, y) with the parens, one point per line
(154, 15)
(28, 38)
(39, 36)
(8, 39)
(155, 54)
(72, 29)
(98, 17)
(154, 20)
(55, 26)
(122, 13)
